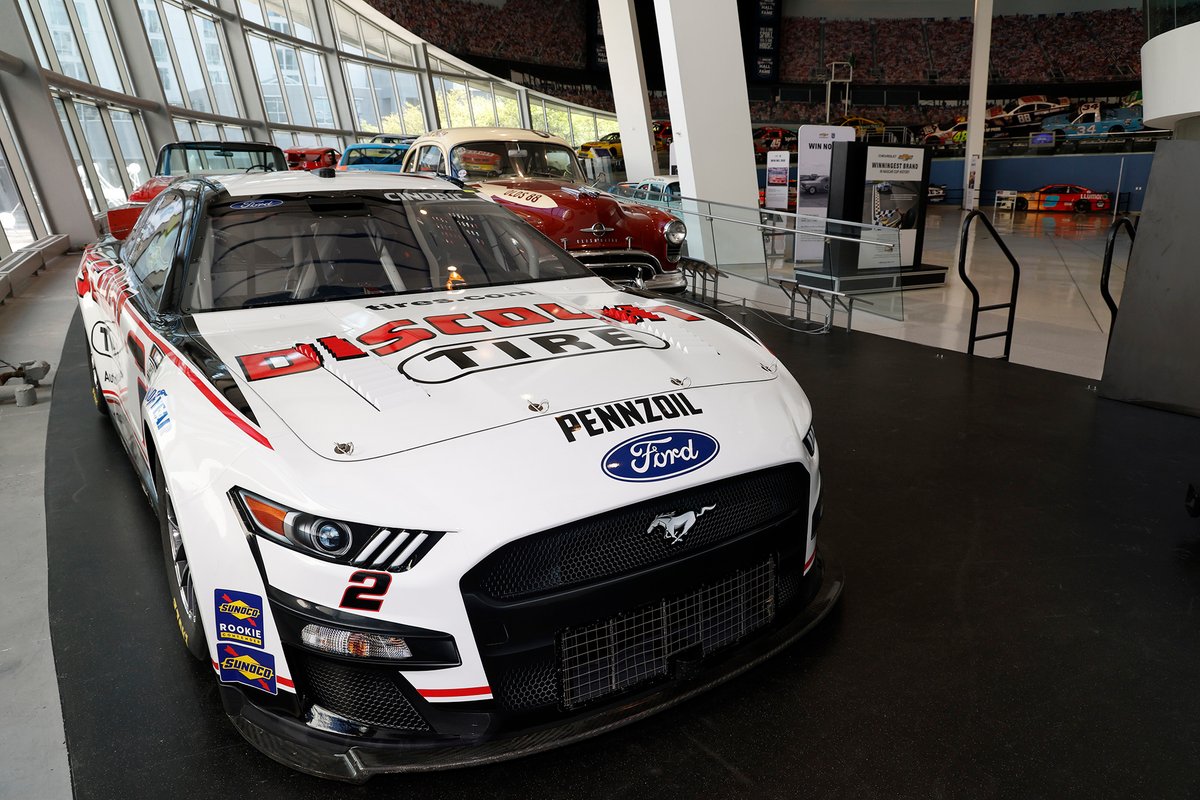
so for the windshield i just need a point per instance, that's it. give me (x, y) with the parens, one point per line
(374, 155)
(285, 249)
(193, 159)
(477, 160)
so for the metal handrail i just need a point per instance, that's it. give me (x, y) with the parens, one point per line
(1011, 305)
(1110, 243)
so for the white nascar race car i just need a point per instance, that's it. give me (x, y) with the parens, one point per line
(430, 492)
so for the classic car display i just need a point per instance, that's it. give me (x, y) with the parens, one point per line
(1026, 113)
(393, 138)
(373, 157)
(311, 157)
(1063, 197)
(608, 146)
(538, 177)
(179, 159)
(657, 189)
(430, 493)
(1092, 120)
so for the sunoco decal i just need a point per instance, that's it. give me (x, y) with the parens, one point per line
(659, 455)
(599, 420)
(254, 668)
(239, 617)
(255, 205)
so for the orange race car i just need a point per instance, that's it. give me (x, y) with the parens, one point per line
(1063, 197)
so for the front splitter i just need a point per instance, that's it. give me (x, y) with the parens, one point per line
(294, 744)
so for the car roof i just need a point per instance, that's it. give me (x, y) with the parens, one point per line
(297, 182)
(455, 136)
(214, 144)
(401, 146)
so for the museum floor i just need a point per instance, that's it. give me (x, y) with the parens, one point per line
(1018, 618)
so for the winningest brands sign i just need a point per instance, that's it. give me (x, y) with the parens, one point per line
(895, 163)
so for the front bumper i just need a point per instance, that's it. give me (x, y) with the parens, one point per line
(482, 732)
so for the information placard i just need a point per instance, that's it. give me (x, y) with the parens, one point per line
(779, 165)
(812, 180)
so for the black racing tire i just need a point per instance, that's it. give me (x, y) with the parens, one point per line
(184, 600)
(1082, 206)
(810, 189)
(97, 393)
(1022, 204)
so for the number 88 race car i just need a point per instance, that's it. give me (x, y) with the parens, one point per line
(430, 492)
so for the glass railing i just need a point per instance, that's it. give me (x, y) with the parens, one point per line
(765, 247)
(1167, 15)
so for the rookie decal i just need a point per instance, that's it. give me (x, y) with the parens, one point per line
(599, 420)
(254, 668)
(239, 617)
(449, 362)
(659, 455)
(255, 205)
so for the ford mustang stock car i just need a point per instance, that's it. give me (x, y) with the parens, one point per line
(538, 177)
(431, 493)
(1063, 197)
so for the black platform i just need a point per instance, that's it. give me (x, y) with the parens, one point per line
(1020, 618)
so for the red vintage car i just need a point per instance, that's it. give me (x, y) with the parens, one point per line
(311, 157)
(537, 176)
(177, 159)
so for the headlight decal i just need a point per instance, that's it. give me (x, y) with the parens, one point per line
(339, 541)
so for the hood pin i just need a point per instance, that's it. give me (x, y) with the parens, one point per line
(343, 448)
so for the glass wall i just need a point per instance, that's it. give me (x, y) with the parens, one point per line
(21, 219)
(372, 77)
(1167, 15)
(191, 56)
(385, 100)
(109, 146)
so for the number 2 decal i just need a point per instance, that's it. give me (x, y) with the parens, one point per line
(366, 591)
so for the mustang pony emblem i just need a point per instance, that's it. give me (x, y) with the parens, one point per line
(676, 526)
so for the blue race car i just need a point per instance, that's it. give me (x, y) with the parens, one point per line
(376, 157)
(1092, 121)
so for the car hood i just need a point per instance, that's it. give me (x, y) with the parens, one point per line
(568, 212)
(471, 360)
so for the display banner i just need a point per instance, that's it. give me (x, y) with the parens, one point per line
(812, 167)
(779, 164)
(895, 163)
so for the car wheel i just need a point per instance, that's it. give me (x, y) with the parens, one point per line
(810, 189)
(97, 393)
(1082, 206)
(1022, 204)
(1116, 129)
(184, 600)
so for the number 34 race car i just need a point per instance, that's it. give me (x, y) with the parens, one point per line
(430, 492)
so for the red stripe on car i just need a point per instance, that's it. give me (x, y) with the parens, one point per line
(474, 690)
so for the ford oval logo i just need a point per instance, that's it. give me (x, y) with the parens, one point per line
(250, 205)
(659, 455)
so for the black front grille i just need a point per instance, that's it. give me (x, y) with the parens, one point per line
(362, 694)
(630, 539)
(631, 649)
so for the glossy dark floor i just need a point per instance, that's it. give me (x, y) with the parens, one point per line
(1019, 618)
